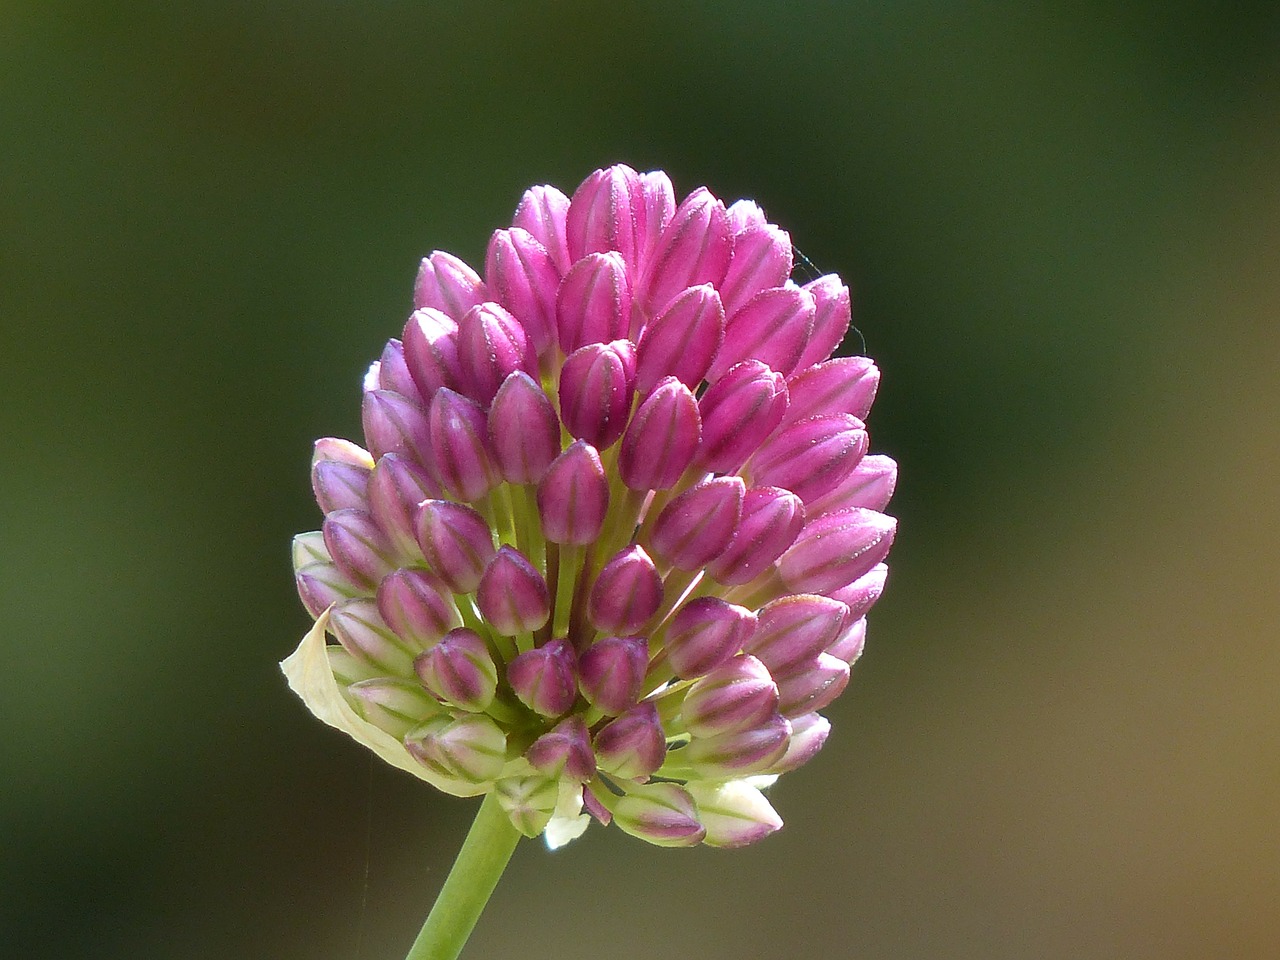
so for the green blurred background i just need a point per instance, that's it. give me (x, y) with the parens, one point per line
(1062, 226)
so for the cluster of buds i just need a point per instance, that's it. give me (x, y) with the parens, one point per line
(610, 542)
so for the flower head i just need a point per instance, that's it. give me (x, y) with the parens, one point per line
(614, 532)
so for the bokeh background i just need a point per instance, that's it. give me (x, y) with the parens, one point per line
(1062, 226)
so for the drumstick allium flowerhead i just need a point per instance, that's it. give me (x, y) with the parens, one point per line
(610, 541)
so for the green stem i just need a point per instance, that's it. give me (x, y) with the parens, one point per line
(484, 855)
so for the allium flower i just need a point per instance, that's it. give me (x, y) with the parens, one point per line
(610, 542)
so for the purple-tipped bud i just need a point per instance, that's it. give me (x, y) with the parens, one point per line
(844, 385)
(633, 745)
(706, 632)
(340, 486)
(456, 542)
(662, 813)
(523, 278)
(626, 593)
(524, 434)
(773, 326)
(812, 685)
(861, 595)
(573, 497)
(564, 752)
(543, 211)
(698, 526)
(394, 424)
(447, 284)
(343, 451)
(831, 319)
(546, 678)
(471, 747)
(431, 352)
(417, 606)
(396, 487)
(611, 673)
(393, 704)
(358, 546)
(600, 215)
(653, 206)
(593, 304)
(835, 549)
(808, 734)
(745, 214)
(528, 801)
(738, 412)
(772, 518)
(810, 457)
(795, 628)
(459, 670)
(321, 584)
(848, 646)
(365, 635)
(694, 249)
(737, 754)
(761, 260)
(491, 345)
(460, 446)
(682, 340)
(394, 375)
(512, 594)
(595, 392)
(737, 695)
(735, 813)
(662, 438)
(870, 485)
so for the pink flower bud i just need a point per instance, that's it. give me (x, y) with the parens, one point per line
(698, 526)
(662, 813)
(417, 606)
(431, 352)
(831, 319)
(343, 451)
(564, 752)
(512, 594)
(737, 754)
(524, 434)
(396, 487)
(460, 446)
(694, 249)
(611, 673)
(543, 211)
(595, 392)
(735, 814)
(738, 412)
(523, 278)
(662, 438)
(812, 685)
(456, 542)
(470, 747)
(737, 695)
(358, 546)
(653, 205)
(393, 704)
(365, 635)
(773, 326)
(808, 734)
(393, 424)
(600, 217)
(340, 486)
(810, 457)
(627, 592)
(394, 375)
(545, 678)
(706, 632)
(682, 340)
(771, 520)
(745, 214)
(633, 745)
(870, 485)
(593, 304)
(573, 497)
(861, 595)
(848, 645)
(459, 670)
(761, 260)
(844, 385)
(491, 345)
(795, 628)
(321, 584)
(447, 284)
(836, 549)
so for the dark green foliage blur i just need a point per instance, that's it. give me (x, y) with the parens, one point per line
(1061, 223)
